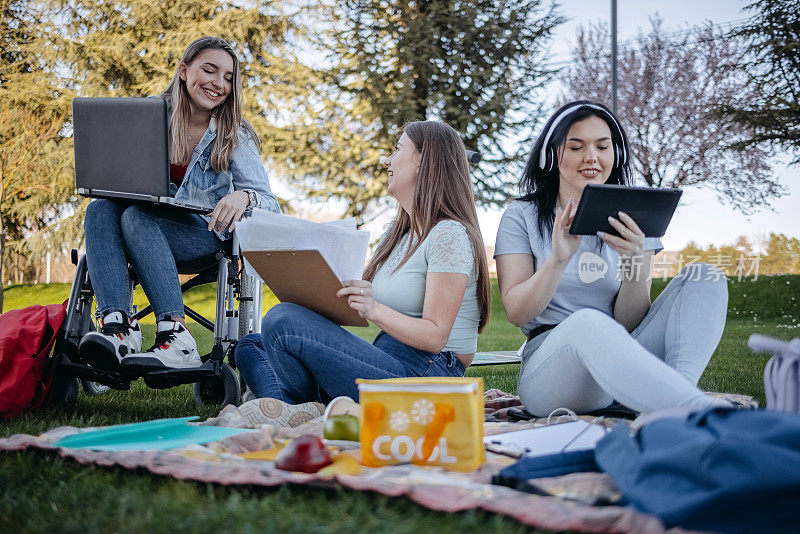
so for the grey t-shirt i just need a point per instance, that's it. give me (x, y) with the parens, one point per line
(591, 279)
(446, 249)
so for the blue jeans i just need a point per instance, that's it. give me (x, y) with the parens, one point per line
(301, 356)
(153, 239)
(589, 360)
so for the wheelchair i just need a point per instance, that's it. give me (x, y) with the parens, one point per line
(238, 313)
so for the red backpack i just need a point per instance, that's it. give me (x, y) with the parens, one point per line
(26, 339)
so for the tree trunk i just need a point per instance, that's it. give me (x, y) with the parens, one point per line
(2, 263)
(420, 83)
(2, 251)
(2, 239)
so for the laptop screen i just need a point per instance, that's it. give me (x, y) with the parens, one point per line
(121, 146)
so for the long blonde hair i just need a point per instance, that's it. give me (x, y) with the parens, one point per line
(442, 191)
(228, 114)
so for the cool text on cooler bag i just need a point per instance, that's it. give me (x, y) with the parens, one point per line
(423, 420)
(26, 339)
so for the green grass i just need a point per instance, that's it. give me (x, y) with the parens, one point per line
(41, 492)
(62, 496)
(201, 298)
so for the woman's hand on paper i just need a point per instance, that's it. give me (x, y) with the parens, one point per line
(228, 211)
(359, 297)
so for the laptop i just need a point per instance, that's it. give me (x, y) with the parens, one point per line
(122, 150)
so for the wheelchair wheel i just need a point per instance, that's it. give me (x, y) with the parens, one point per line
(94, 388)
(63, 392)
(218, 390)
(246, 306)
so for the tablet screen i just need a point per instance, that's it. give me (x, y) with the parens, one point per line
(650, 208)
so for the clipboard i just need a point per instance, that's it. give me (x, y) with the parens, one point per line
(304, 277)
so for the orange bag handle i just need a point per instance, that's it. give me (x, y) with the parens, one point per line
(374, 414)
(442, 415)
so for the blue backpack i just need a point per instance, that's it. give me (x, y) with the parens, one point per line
(721, 469)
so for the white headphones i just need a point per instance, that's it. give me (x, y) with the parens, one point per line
(547, 158)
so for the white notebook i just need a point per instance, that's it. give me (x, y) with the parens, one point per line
(551, 439)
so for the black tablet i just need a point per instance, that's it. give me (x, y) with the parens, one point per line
(650, 208)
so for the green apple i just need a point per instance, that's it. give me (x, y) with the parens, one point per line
(341, 427)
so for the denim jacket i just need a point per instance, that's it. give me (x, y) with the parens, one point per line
(204, 186)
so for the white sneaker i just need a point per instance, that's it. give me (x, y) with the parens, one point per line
(117, 338)
(248, 395)
(175, 348)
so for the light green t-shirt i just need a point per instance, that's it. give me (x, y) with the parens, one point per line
(446, 249)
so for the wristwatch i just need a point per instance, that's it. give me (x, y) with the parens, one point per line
(252, 199)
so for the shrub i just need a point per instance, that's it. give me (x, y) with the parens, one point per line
(775, 297)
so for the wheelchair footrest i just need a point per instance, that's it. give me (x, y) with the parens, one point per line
(168, 378)
(112, 379)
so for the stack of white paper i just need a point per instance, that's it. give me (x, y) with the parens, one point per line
(342, 245)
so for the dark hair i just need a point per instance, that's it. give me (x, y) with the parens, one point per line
(442, 191)
(540, 186)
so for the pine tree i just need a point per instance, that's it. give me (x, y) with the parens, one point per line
(476, 65)
(772, 70)
(55, 50)
(34, 180)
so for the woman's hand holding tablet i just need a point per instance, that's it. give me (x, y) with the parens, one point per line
(630, 241)
(649, 210)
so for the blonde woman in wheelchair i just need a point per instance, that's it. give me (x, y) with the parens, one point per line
(214, 162)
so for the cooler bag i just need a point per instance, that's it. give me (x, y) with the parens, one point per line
(425, 421)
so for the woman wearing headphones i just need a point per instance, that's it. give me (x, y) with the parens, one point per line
(593, 341)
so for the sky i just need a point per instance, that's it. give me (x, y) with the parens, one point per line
(700, 217)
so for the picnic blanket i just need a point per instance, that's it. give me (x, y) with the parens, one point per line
(566, 503)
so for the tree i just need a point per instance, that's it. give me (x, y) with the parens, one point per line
(55, 50)
(475, 65)
(30, 190)
(781, 255)
(693, 252)
(34, 181)
(14, 31)
(669, 85)
(131, 48)
(771, 108)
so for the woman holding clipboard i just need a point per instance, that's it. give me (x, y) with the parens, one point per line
(584, 301)
(426, 287)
